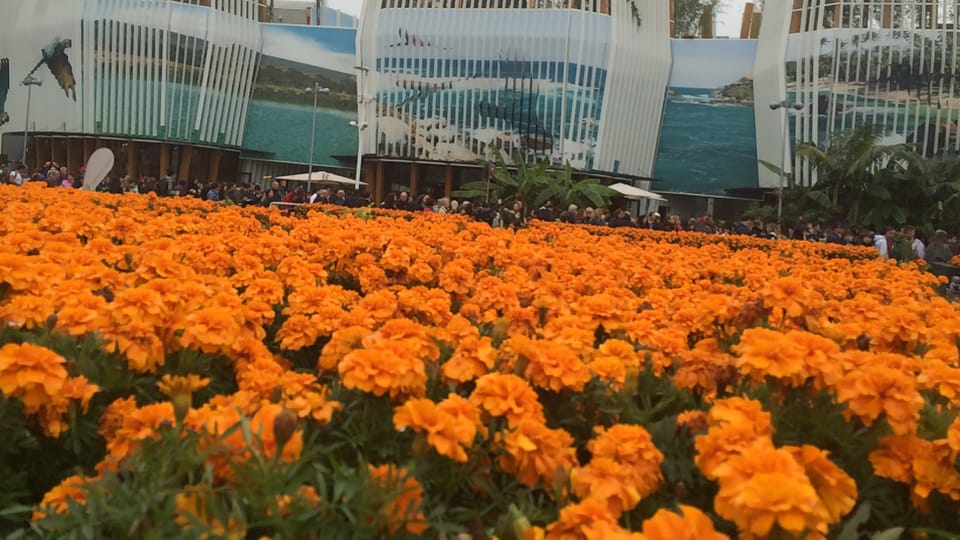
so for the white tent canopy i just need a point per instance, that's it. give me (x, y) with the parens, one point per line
(635, 193)
(320, 177)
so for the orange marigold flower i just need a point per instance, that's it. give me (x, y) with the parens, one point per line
(536, 454)
(448, 432)
(794, 357)
(51, 416)
(507, 395)
(172, 385)
(138, 425)
(632, 446)
(210, 330)
(403, 512)
(876, 390)
(953, 436)
(31, 373)
(113, 416)
(695, 421)
(297, 332)
(893, 457)
(390, 368)
(473, 357)
(57, 499)
(935, 470)
(766, 487)
(735, 424)
(588, 520)
(549, 365)
(606, 480)
(836, 490)
(193, 508)
(690, 524)
(341, 343)
(791, 294)
(457, 277)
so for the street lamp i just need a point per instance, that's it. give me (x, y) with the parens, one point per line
(360, 127)
(316, 90)
(362, 99)
(786, 105)
(29, 82)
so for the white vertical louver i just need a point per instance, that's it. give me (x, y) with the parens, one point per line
(466, 83)
(168, 70)
(856, 62)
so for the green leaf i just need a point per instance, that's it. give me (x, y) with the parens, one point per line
(889, 534)
(849, 530)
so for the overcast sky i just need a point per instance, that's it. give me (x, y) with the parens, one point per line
(728, 23)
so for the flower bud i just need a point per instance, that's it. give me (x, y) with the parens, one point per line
(52, 321)
(631, 382)
(284, 425)
(277, 394)
(519, 522)
(182, 401)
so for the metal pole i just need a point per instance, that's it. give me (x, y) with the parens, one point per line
(26, 127)
(783, 159)
(313, 134)
(566, 75)
(361, 102)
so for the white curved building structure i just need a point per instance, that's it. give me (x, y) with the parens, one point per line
(460, 81)
(855, 62)
(153, 68)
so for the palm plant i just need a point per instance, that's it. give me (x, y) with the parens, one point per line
(565, 190)
(517, 181)
(855, 172)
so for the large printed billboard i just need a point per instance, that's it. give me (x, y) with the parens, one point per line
(296, 60)
(708, 141)
(448, 90)
(49, 53)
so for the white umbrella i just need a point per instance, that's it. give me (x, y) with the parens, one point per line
(630, 192)
(320, 177)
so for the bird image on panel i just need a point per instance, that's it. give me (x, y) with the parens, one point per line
(4, 89)
(55, 57)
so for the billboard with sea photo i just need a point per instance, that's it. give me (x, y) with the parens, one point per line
(708, 142)
(294, 59)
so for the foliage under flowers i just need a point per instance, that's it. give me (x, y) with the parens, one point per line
(171, 368)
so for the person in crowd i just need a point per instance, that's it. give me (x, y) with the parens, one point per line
(511, 217)
(390, 201)
(705, 225)
(16, 175)
(545, 212)
(340, 199)
(213, 194)
(653, 220)
(454, 206)
(884, 241)
(442, 206)
(569, 215)
(402, 202)
(917, 249)
(586, 217)
(620, 219)
(600, 217)
(835, 235)
(939, 250)
(426, 204)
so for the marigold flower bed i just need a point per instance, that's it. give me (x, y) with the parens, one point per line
(174, 368)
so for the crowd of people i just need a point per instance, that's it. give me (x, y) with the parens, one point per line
(904, 244)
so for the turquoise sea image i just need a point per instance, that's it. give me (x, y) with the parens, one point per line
(282, 130)
(705, 147)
